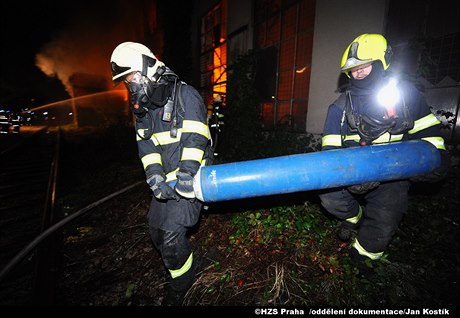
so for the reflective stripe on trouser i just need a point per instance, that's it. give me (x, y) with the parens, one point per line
(355, 219)
(343, 205)
(362, 251)
(385, 207)
(168, 225)
(184, 269)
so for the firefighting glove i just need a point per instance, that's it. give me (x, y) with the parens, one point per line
(437, 174)
(363, 187)
(184, 185)
(161, 190)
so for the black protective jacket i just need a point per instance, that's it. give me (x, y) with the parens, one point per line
(337, 132)
(163, 153)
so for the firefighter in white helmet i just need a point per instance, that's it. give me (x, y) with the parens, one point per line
(173, 142)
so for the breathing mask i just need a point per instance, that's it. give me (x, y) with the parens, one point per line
(146, 93)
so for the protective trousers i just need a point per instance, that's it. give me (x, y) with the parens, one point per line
(168, 225)
(383, 210)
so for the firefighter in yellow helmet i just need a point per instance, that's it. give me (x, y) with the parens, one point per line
(375, 108)
(173, 141)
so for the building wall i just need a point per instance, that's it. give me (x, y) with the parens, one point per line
(337, 23)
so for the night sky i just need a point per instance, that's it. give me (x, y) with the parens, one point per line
(25, 29)
(70, 37)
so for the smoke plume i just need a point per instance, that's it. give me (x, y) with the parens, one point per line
(86, 45)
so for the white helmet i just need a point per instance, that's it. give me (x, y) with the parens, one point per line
(129, 57)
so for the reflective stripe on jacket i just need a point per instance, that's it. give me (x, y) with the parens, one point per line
(163, 154)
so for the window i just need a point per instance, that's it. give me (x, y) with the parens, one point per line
(284, 40)
(444, 55)
(213, 53)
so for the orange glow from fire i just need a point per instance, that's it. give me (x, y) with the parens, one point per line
(219, 73)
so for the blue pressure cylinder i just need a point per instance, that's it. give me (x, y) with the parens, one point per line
(316, 170)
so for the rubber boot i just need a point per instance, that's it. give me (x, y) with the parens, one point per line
(362, 263)
(174, 297)
(347, 231)
(177, 288)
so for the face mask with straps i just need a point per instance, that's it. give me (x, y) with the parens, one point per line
(161, 93)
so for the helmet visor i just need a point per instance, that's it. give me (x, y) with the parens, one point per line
(358, 55)
(134, 77)
(118, 72)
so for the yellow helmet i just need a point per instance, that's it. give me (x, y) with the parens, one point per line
(366, 49)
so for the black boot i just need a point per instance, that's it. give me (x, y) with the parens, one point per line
(362, 263)
(177, 288)
(174, 297)
(346, 232)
